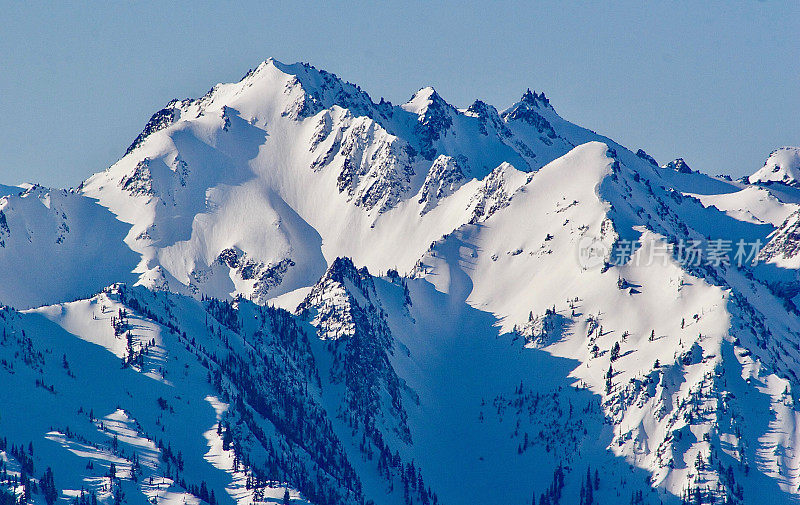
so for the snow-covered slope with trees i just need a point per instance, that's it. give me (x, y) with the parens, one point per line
(287, 292)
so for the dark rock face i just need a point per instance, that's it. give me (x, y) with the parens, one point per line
(433, 124)
(643, 155)
(444, 177)
(679, 165)
(158, 121)
(526, 110)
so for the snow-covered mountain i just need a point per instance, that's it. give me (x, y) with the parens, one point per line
(287, 292)
(783, 165)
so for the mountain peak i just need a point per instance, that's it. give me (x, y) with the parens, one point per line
(343, 268)
(434, 115)
(424, 100)
(297, 90)
(782, 165)
(296, 68)
(533, 99)
(334, 302)
(525, 111)
(321, 89)
(679, 165)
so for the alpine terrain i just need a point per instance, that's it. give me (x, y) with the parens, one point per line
(286, 291)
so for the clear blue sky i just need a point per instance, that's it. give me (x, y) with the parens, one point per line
(717, 83)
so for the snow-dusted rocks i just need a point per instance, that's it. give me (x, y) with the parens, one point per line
(526, 110)
(679, 165)
(435, 118)
(444, 177)
(496, 191)
(159, 121)
(490, 118)
(784, 246)
(374, 167)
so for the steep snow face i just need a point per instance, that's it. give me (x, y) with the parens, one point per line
(662, 343)
(783, 165)
(59, 239)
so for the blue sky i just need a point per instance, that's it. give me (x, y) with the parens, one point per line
(717, 83)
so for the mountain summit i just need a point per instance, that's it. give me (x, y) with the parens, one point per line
(782, 165)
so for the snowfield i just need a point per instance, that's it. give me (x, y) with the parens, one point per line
(285, 292)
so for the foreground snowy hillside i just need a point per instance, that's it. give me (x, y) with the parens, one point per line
(287, 292)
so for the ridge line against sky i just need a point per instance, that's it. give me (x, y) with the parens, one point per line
(715, 83)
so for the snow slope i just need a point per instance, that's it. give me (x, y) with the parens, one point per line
(62, 240)
(329, 170)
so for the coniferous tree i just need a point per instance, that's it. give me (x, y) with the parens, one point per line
(119, 496)
(48, 487)
(615, 351)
